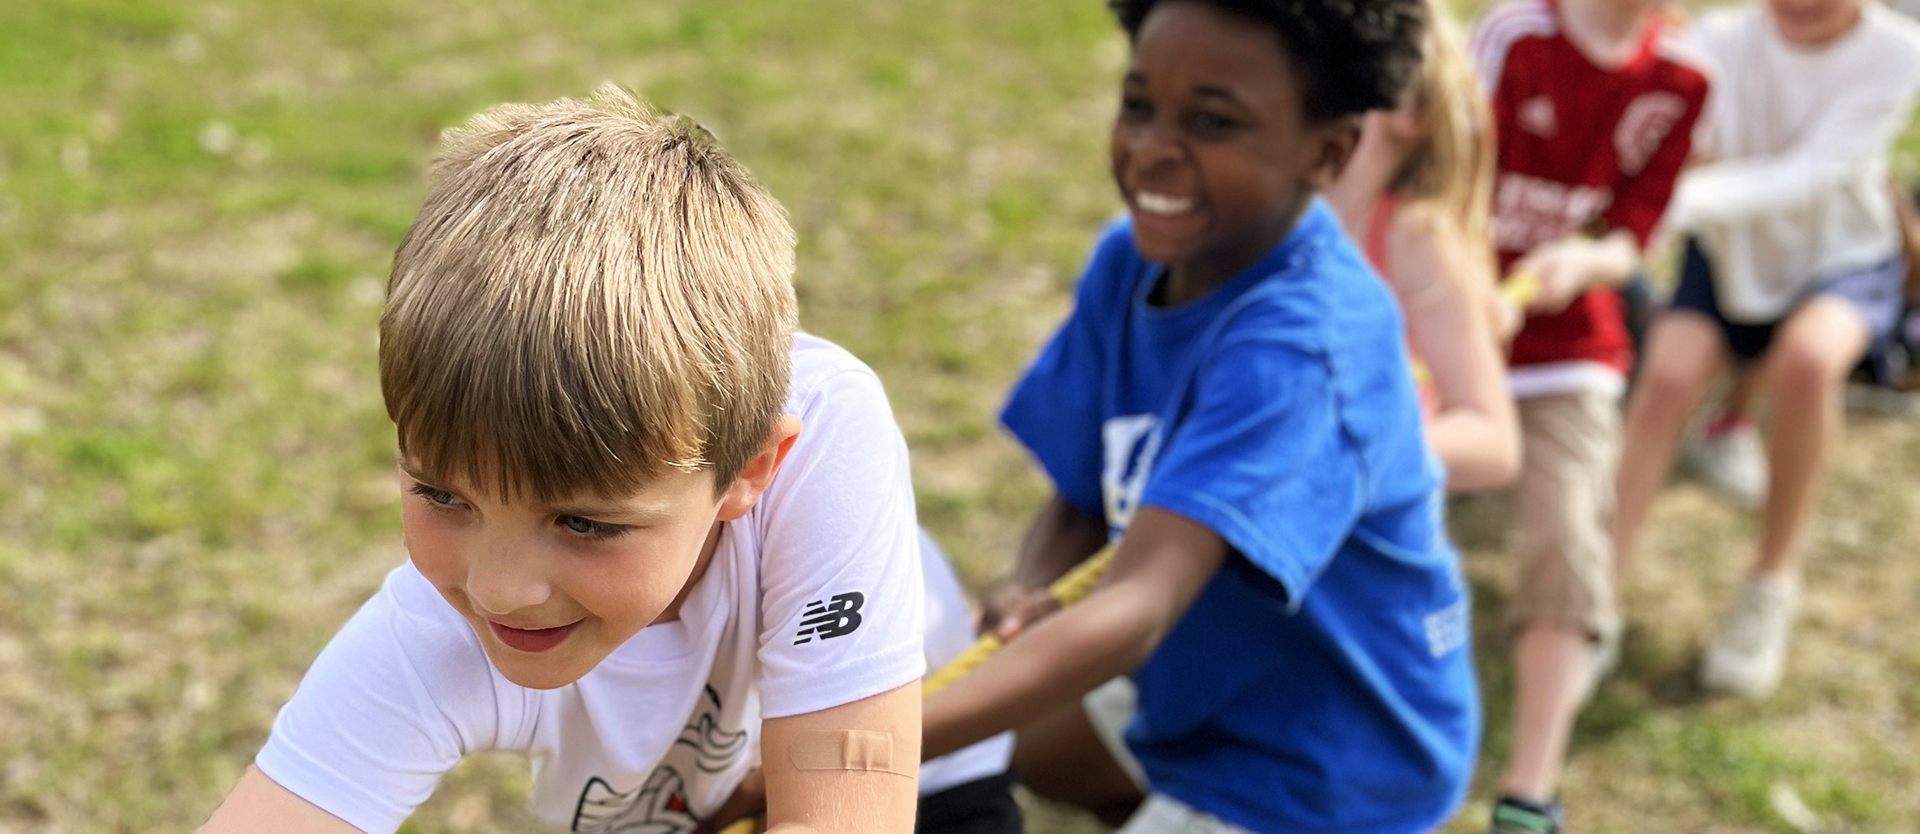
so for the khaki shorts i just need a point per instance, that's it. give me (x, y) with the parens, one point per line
(1564, 508)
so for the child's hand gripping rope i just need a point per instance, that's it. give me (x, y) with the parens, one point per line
(1066, 590)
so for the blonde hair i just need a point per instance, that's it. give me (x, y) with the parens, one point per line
(1453, 165)
(593, 293)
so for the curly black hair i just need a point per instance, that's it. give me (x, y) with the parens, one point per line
(1352, 55)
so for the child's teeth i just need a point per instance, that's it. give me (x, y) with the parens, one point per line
(1161, 203)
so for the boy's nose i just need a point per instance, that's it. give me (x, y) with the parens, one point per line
(503, 579)
(1153, 144)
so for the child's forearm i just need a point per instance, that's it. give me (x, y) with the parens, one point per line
(1156, 573)
(1061, 537)
(1614, 258)
(1480, 451)
(1057, 661)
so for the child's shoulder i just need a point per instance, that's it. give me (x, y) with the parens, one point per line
(1902, 33)
(817, 362)
(1512, 21)
(1326, 293)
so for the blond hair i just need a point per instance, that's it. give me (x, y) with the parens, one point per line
(1453, 165)
(592, 294)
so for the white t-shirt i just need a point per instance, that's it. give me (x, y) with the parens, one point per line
(661, 731)
(949, 635)
(1801, 138)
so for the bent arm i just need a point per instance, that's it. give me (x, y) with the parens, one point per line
(1160, 567)
(820, 779)
(1855, 132)
(1446, 290)
(260, 804)
(1061, 537)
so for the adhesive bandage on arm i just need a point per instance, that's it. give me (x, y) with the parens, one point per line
(855, 750)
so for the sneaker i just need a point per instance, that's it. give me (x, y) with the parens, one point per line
(1518, 816)
(1751, 653)
(1730, 461)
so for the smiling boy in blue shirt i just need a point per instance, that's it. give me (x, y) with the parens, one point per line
(1229, 405)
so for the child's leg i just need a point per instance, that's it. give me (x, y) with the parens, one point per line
(1687, 350)
(1564, 601)
(1806, 368)
(1064, 757)
(1685, 353)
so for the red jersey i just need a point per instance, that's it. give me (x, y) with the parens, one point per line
(1581, 148)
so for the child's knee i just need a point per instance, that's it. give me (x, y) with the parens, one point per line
(1800, 370)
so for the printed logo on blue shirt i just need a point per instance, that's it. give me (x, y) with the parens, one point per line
(1130, 443)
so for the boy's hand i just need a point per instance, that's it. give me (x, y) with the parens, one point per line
(749, 801)
(1561, 269)
(1010, 608)
(1568, 267)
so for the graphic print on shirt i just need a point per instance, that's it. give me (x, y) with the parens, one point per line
(657, 807)
(660, 804)
(1529, 211)
(832, 617)
(1130, 443)
(1643, 126)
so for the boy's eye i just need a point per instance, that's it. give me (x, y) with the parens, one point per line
(1204, 123)
(436, 497)
(1135, 109)
(589, 528)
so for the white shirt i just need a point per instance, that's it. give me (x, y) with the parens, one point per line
(663, 729)
(949, 635)
(1801, 137)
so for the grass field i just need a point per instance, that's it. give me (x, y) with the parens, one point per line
(197, 206)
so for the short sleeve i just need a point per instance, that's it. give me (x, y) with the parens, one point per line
(1054, 409)
(841, 594)
(393, 702)
(1263, 460)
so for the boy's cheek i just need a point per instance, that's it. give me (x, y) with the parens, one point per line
(433, 548)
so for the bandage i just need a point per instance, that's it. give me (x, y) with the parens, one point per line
(863, 750)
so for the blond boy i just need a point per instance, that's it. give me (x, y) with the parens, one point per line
(657, 539)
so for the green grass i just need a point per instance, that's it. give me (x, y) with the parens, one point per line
(198, 203)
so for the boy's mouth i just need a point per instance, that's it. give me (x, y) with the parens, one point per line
(1161, 204)
(532, 640)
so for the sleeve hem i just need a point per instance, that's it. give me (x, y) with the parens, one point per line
(1265, 553)
(302, 776)
(825, 687)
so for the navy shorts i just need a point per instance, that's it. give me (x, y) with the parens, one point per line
(1876, 292)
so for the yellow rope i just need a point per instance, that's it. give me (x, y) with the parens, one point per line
(1522, 289)
(1066, 590)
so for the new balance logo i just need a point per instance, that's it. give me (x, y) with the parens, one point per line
(831, 618)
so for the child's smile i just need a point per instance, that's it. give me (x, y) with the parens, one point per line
(552, 590)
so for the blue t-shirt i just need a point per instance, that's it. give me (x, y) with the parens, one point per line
(1322, 681)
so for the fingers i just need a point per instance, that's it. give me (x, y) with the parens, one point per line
(1010, 609)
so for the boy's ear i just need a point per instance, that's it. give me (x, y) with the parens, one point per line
(757, 475)
(1338, 138)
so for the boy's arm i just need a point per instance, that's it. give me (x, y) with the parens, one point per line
(1446, 288)
(260, 804)
(1160, 567)
(1572, 265)
(850, 768)
(1858, 128)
